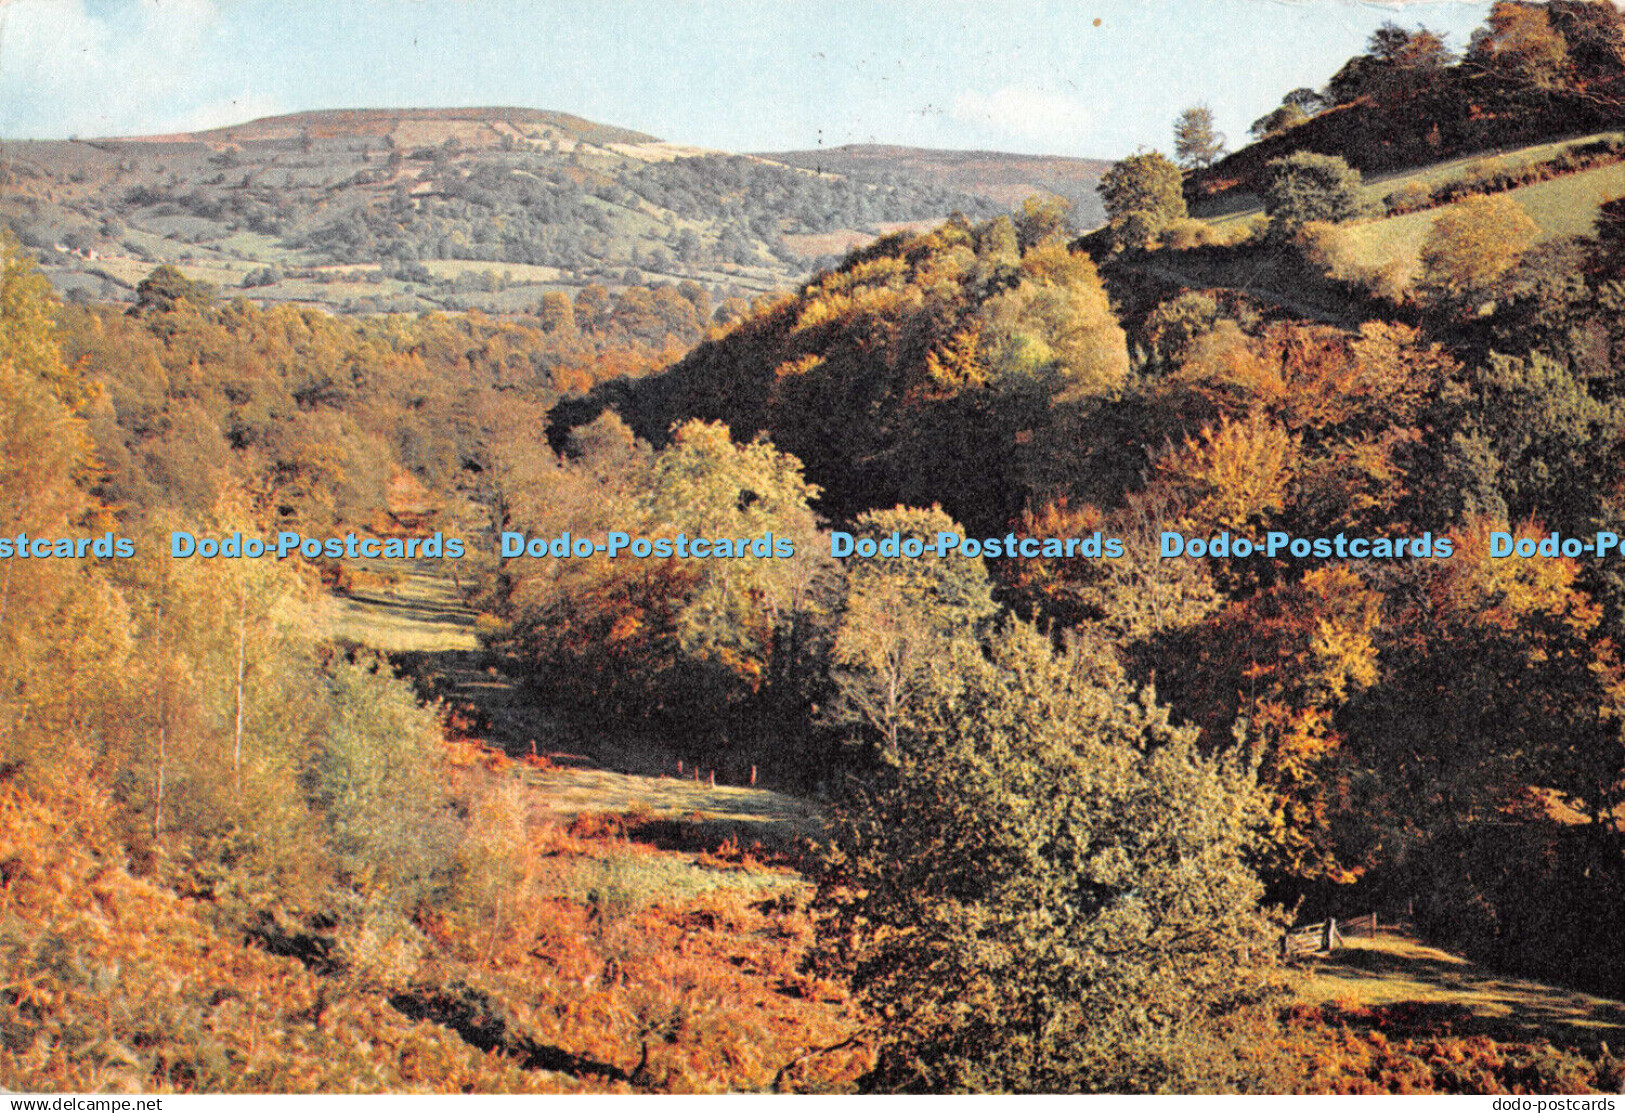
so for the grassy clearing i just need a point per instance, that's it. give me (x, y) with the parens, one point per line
(205, 267)
(1565, 206)
(570, 793)
(1395, 968)
(636, 880)
(258, 248)
(1441, 173)
(404, 606)
(413, 610)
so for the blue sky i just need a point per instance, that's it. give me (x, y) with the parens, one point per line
(1098, 78)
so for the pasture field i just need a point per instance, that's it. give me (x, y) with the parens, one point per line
(1238, 207)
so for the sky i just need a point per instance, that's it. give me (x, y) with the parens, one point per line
(1089, 78)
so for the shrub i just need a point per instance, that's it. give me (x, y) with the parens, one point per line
(1186, 233)
(1306, 186)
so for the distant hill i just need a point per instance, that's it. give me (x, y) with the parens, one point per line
(1005, 178)
(412, 209)
(473, 127)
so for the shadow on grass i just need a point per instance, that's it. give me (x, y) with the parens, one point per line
(1422, 987)
(765, 841)
(472, 1016)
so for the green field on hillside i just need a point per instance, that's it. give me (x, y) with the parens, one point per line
(1565, 206)
(1236, 208)
(1562, 206)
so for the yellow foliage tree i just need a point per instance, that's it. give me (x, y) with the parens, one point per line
(1473, 243)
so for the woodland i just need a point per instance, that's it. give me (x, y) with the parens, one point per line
(1059, 812)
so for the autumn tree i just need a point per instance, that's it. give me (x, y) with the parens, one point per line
(907, 622)
(556, 313)
(64, 641)
(742, 610)
(1497, 689)
(1301, 426)
(185, 694)
(1132, 600)
(1270, 674)
(708, 647)
(943, 367)
(1519, 46)
(29, 337)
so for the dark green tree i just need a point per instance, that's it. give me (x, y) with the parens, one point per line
(1045, 891)
(1296, 107)
(165, 286)
(1042, 219)
(1142, 193)
(1284, 118)
(1419, 49)
(1306, 186)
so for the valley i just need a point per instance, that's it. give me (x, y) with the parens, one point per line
(911, 813)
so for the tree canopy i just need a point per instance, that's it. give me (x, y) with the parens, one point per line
(1047, 891)
(1475, 242)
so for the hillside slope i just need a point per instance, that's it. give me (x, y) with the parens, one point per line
(1006, 178)
(413, 209)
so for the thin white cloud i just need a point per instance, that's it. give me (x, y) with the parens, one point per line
(141, 66)
(1024, 112)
